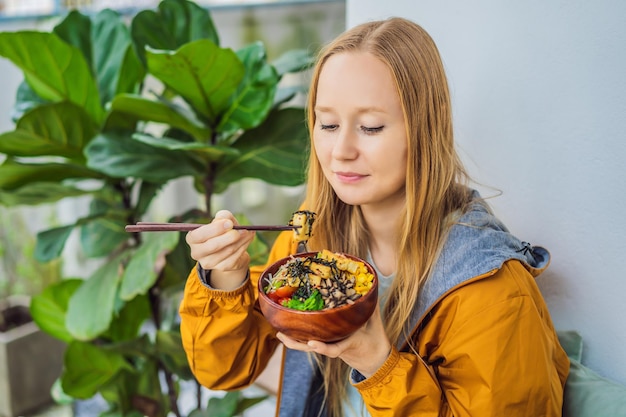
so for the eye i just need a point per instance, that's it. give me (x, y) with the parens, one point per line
(328, 127)
(372, 130)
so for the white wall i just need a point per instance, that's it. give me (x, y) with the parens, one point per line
(540, 110)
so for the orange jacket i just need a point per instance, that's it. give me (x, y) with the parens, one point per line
(485, 347)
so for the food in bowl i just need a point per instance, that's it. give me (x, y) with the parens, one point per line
(304, 219)
(311, 283)
(330, 323)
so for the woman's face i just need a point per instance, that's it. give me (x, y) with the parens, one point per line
(359, 134)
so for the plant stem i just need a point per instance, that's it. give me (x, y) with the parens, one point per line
(125, 191)
(171, 391)
(209, 183)
(199, 395)
(209, 179)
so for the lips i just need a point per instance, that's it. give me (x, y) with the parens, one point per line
(349, 177)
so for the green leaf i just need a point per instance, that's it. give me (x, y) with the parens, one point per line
(60, 129)
(141, 346)
(284, 94)
(118, 393)
(101, 236)
(202, 73)
(128, 393)
(245, 403)
(148, 389)
(59, 396)
(275, 152)
(171, 352)
(14, 175)
(231, 404)
(50, 243)
(172, 280)
(88, 367)
(173, 25)
(211, 152)
(128, 321)
(142, 108)
(119, 157)
(146, 264)
(119, 122)
(294, 60)
(188, 21)
(255, 94)
(48, 308)
(75, 29)
(313, 302)
(39, 193)
(148, 30)
(102, 231)
(131, 74)
(111, 44)
(67, 75)
(147, 192)
(225, 406)
(91, 308)
(25, 99)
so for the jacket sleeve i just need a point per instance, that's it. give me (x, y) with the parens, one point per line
(488, 349)
(227, 340)
(403, 386)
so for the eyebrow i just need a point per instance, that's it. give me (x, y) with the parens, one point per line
(369, 109)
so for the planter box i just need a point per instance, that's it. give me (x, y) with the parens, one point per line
(30, 363)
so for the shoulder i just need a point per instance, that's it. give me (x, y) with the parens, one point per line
(478, 244)
(502, 296)
(509, 282)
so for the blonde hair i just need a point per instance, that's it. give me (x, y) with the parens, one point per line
(435, 178)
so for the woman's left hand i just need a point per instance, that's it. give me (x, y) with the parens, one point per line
(366, 350)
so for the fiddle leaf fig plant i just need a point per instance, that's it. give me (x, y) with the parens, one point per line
(113, 109)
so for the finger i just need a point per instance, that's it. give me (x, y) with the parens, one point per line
(225, 215)
(208, 231)
(212, 242)
(217, 235)
(238, 258)
(226, 252)
(222, 221)
(292, 343)
(332, 350)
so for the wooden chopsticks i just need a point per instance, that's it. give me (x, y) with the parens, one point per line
(185, 227)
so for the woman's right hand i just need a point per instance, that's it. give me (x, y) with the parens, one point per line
(222, 250)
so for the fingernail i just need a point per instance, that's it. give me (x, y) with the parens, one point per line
(228, 224)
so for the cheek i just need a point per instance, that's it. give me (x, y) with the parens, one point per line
(322, 150)
(393, 162)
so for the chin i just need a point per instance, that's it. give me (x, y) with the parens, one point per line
(351, 200)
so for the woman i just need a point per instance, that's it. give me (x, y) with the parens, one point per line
(462, 329)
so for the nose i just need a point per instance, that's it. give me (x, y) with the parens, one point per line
(345, 146)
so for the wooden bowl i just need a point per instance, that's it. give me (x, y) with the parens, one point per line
(329, 325)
